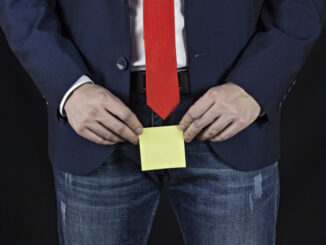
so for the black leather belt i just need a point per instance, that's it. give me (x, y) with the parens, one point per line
(138, 81)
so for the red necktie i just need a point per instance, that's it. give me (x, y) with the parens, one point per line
(162, 87)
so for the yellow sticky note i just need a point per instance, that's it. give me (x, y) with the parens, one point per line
(162, 147)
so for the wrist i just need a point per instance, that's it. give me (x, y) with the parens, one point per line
(76, 90)
(244, 92)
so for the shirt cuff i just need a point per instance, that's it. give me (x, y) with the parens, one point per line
(83, 79)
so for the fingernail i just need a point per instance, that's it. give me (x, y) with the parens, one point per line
(182, 126)
(139, 130)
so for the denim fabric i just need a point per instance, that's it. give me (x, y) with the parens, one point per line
(214, 203)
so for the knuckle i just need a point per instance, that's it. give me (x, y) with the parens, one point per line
(102, 96)
(108, 142)
(135, 140)
(91, 111)
(224, 104)
(97, 141)
(234, 111)
(198, 124)
(108, 135)
(222, 137)
(80, 129)
(226, 136)
(119, 128)
(192, 114)
(213, 92)
(242, 121)
(187, 135)
(211, 132)
(103, 141)
(84, 120)
(125, 115)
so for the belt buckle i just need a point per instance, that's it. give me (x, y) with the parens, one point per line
(142, 84)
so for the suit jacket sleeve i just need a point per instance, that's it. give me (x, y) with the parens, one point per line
(33, 32)
(268, 65)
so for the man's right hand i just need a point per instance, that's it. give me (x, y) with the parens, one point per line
(99, 116)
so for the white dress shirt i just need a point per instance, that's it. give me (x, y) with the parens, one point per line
(137, 59)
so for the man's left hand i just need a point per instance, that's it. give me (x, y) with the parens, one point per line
(223, 111)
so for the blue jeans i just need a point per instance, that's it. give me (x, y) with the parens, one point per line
(215, 204)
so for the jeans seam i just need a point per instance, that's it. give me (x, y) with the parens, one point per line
(276, 202)
(152, 219)
(59, 225)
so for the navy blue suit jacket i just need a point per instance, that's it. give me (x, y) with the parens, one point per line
(258, 44)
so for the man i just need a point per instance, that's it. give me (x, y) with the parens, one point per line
(236, 63)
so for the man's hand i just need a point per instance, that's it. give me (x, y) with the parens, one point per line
(222, 112)
(98, 115)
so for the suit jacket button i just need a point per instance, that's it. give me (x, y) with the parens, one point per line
(122, 63)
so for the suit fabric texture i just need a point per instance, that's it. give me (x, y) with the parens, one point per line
(258, 44)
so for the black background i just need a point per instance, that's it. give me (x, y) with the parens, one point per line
(27, 199)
